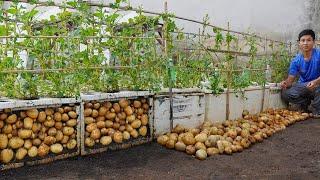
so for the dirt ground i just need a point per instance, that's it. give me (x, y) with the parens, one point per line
(290, 154)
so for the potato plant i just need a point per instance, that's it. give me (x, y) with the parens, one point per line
(229, 136)
(117, 121)
(36, 133)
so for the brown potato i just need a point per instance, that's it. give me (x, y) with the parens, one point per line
(7, 129)
(72, 115)
(27, 144)
(24, 133)
(94, 113)
(128, 110)
(15, 142)
(27, 123)
(57, 116)
(36, 142)
(3, 116)
(43, 150)
(136, 104)
(3, 141)
(102, 111)
(56, 148)
(49, 123)
(136, 124)
(59, 136)
(68, 131)
(64, 117)
(91, 127)
(116, 107)
(49, 111)
(6, 155)
(105, 140)
(58, 125)
(95, 134)
(65, 139)
(33, 151)
(32, 113)
(89, 120)
(49, 140)
(42, 116)
(89, 142)
(72, 143)
(110, 115)
(100, 118)
(71, 122)
(143, 130)
(66, 109)
(87, 112)
(144, 120)
(101, 124)
(21, 153)
(96, 105)
(12, 119)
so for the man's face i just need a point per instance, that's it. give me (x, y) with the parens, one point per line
(306, 43)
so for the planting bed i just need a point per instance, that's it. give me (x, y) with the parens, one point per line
(290, 154)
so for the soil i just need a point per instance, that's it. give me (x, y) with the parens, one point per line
(291, 154)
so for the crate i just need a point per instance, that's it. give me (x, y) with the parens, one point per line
(17, 106)
(114, 97)
(188, 109)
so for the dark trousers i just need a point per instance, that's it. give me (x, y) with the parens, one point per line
(299, 94)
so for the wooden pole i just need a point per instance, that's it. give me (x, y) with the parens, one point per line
(265, 76)
(228, 81)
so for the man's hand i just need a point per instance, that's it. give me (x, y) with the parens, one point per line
(312, 85)
(284, 85)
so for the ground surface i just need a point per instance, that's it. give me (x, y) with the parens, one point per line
(290, 154)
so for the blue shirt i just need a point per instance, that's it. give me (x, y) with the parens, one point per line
(308, 70)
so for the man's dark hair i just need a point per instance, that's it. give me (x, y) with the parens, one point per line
(307, 32)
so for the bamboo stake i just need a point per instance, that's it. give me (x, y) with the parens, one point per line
(265, 76)
(228, 82)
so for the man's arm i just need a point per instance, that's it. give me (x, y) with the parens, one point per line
(288, 82)
(312, 85)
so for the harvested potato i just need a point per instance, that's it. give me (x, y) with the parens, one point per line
(32, 113)
(64, 117)
(136, 124)
(24, 133)
(7, 129)
(143, 130)
(49, 140)
(105, 140)
(27, 144)
(3, 141)
(33, 151)
(145, 120)
(15, 142)
(117, 137)
(57, 116)
(134, 133)
(89, 142)
(180, 146)
(56, 148)
(201, 154)
(72, 115)
(6, 155)
(95, 134)
(123, 103)
(42, 116)
(43, 150)
(72, 143)
(27, 123)
(71, 122)
(68, 131)
(12, 119)
(21, 153)
(49, 111)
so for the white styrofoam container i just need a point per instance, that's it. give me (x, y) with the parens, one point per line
(216, 105)
(188, 110)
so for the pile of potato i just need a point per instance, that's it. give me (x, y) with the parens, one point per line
(36, 132)
(107, 122)
(229, 136)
